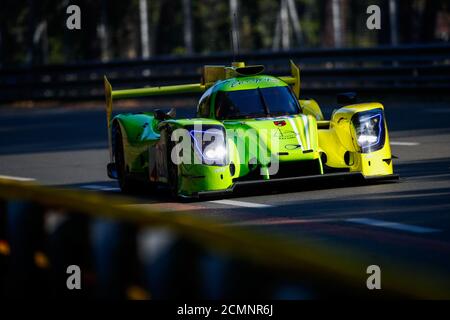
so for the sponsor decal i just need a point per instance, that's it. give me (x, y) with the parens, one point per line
(285, 134)
(254, 81)
(281, 123)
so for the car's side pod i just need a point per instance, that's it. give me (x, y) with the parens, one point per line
(357, 139)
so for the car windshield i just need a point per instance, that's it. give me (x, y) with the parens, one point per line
(253, 103)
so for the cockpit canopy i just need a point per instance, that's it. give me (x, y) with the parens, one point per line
(255, 103)
(248, 97)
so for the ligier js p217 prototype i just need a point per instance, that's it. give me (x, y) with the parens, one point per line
(250, 129)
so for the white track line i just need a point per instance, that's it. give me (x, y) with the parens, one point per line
(437, 110)
(392, 225)
(92, 186)
(16, 178)
(241, 204)
(403, 143)
(98, 187)
(110, 189)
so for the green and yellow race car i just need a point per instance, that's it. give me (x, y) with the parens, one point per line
(250, 130)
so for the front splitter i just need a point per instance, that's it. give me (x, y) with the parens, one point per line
(329, 177)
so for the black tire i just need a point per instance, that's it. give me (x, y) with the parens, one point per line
(125, 183)
(172, 168)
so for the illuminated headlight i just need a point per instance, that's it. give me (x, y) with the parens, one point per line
(209, 145)
(369, 130)
(215, 152)
(367, 139)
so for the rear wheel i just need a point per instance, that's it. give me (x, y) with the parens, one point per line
(126, 184)
(172, 168)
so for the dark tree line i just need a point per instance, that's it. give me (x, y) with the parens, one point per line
(34, 31)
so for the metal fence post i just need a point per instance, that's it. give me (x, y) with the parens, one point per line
(25, 236)
(113, 246)
(69, 245)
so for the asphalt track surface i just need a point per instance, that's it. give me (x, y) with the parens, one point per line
(406, 222)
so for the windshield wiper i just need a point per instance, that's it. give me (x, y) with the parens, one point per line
(247, 116)
(283, 113)
(264, 102)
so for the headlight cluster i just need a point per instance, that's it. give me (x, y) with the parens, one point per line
(209, 144)
(369, 130)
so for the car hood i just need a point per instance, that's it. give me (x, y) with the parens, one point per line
(295, 135)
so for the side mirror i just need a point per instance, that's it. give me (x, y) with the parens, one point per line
(159, 115)
(172, 113)
(346, 98)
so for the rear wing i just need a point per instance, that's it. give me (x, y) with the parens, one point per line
(211, 74)
(293, 79)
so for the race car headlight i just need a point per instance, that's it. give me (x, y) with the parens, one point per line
(209, 145)
(215, 152)
(369, 130)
